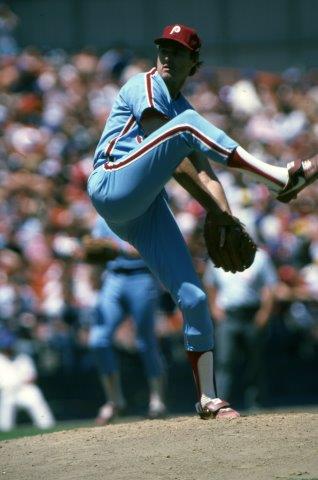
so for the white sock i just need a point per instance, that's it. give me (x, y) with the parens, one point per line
(275, 178)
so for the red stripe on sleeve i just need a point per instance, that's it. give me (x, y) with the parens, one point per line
(129, 124)
(149, 88)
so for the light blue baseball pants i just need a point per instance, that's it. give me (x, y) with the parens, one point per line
(125, 294)
(129, 194)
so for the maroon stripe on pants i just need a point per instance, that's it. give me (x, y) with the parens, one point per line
(165, 136)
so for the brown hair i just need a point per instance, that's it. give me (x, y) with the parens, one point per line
(196, 58)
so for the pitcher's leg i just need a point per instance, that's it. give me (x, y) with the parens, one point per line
(131, 184)
(203, 136)
(125, 189)
(158, 239)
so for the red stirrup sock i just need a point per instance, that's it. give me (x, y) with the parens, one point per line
(203, 372)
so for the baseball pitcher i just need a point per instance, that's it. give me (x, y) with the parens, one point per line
(151, 135)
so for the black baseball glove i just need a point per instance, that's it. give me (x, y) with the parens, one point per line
(229, 245)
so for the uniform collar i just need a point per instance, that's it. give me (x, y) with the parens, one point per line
(161, 81)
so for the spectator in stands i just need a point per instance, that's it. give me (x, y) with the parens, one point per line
(18, 389)
(241, 305)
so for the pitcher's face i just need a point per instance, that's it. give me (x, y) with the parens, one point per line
(174, 62)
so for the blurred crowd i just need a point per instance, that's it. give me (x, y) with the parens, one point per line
(53, 107)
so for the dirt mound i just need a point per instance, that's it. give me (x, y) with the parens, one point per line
(269, 446)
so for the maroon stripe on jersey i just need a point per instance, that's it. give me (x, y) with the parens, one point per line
(165, 136)
(130, 122)
(149, 90)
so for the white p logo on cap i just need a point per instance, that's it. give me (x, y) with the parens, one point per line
(175, 29)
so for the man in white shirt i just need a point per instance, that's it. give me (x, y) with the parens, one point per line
(241, 305)
(17, 388)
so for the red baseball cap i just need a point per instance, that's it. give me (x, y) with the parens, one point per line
(187, 36)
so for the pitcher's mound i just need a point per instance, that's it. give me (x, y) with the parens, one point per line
(267, 446)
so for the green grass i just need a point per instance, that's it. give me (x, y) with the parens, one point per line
(29, 430)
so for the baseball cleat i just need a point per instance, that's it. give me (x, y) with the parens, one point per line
(157, 410)
(301, 174)
(217, 410)
(107, 413)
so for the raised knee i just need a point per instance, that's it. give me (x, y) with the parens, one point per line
(191, 297)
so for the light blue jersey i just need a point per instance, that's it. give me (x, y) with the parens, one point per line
(123, 131)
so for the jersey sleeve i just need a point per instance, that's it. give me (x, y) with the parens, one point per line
(142, 92)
